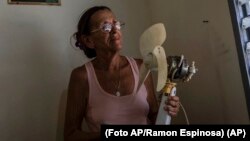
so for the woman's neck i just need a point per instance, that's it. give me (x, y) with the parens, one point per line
(108, 62)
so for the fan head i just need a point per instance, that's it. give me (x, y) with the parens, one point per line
(153, 54)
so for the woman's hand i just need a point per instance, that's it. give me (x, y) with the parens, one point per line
(172, 105)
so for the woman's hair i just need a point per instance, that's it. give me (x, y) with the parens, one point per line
(83, 28)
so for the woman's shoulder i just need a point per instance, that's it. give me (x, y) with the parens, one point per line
(78, 85)
(79, 73)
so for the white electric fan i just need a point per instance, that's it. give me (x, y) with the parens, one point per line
(154, 59)
(169, 69)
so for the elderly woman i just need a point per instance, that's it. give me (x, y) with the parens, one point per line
(104, 90)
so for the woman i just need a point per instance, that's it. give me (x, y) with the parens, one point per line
(103, 91)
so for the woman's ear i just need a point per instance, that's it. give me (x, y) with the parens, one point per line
(87, 41)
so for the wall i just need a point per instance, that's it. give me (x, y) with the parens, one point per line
(36, 60)
(215, 95)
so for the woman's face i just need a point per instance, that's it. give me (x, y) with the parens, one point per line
(103, 39)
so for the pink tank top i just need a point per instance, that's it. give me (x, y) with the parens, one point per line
(105, 108)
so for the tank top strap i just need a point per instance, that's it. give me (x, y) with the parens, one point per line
(91, 74)
(134, 67)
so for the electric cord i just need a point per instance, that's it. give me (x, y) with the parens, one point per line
(184, 111)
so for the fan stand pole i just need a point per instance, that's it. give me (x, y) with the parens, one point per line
(163, 118)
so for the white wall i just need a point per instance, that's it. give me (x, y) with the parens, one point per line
(215, 95)
(36, 60)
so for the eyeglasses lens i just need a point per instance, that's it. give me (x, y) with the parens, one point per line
(107, 27)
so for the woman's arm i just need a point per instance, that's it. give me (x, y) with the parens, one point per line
(76, 107)
(152, 100)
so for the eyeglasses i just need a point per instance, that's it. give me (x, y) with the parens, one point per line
(107, 27)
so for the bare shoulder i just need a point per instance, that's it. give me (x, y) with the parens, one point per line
(78, 81)
(79, 74)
